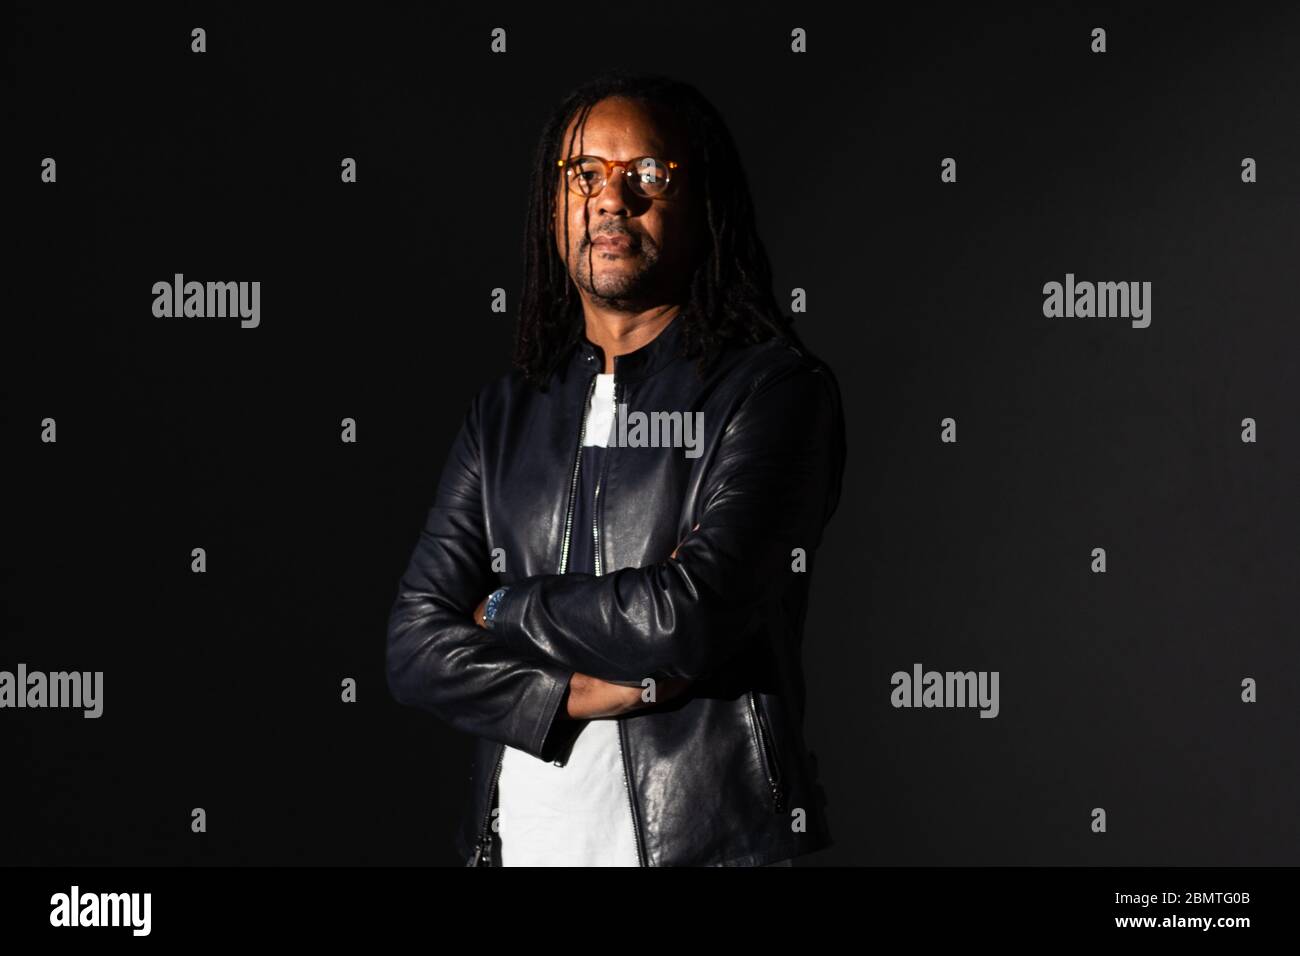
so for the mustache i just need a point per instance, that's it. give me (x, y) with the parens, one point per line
(633, 238)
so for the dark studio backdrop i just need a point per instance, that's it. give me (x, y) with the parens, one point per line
(1119, 690)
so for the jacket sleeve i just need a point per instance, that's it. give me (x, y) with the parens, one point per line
(771, 488)
(438, 658)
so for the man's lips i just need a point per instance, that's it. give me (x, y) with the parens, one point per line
(614, 243)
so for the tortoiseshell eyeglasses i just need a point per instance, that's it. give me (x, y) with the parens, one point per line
(646, 176)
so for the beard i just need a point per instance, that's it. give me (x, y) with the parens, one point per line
(624, 288)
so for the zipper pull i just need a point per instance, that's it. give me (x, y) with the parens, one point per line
(482, 852)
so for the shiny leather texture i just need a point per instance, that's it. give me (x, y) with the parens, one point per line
(719, 775)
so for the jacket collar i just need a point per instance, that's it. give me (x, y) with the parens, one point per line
(635, 365)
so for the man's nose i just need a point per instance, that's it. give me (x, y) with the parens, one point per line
(616, 195)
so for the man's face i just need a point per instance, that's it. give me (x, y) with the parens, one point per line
(659, 235)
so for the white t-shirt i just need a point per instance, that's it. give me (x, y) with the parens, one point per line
(575, 814)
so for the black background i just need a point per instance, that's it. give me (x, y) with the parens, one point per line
(221, 690)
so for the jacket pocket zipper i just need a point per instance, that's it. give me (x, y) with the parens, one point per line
(767, 753)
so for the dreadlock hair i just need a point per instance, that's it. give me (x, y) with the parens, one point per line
(730, 296)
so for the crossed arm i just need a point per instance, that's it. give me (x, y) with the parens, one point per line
(439, 658)
(559, 641)
(590, 697)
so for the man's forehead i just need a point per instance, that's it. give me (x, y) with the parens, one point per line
(621, 128)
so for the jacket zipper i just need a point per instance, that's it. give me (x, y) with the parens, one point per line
(573, 481)
(595, 509)
(622, 747)
(483, 851)
(770, 766)
(631, 806)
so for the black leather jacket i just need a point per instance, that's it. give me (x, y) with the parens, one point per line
(719, 775)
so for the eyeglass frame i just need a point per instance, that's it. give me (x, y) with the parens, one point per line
(608, 168)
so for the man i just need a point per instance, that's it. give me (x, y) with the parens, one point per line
(615, 610)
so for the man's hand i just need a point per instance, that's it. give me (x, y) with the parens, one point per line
(590, 697)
